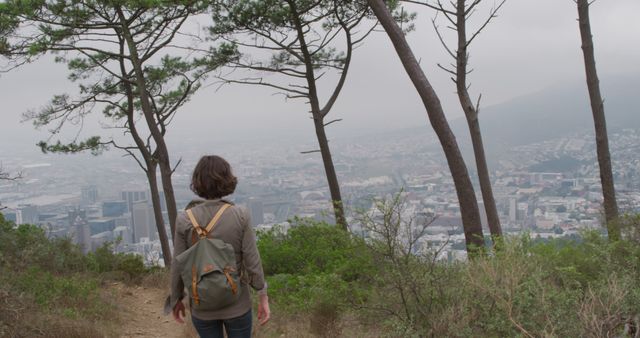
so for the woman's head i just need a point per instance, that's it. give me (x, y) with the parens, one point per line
(212, 178)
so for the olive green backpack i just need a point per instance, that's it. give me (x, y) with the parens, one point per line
(208, 268)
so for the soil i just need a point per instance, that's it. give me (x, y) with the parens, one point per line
(142, 313)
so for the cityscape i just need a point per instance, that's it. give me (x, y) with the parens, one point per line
(548, 189)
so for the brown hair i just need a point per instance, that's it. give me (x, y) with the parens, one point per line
(212, 178)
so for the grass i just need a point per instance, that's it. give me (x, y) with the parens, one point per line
(49, 288)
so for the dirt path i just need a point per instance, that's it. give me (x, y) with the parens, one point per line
(142, 313)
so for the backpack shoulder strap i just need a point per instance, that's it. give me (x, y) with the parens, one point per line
(194, 222)
(216, 218)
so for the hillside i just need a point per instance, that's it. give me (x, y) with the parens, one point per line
(552, 113)
(555, 112)
(324, 282)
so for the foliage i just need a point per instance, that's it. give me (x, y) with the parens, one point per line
(310, 247)
(71, 293)
(102, 43)
(55, 271)
(587, 287)
(104, 260)
(315, 268)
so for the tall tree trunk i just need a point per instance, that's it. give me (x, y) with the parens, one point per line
(318, 121)
(166, 172)
(485, 181)
(471, 114)
(597, 108)
(161, 147)
(157, 212)
(464, 188)
(150, 163)
(330, 171)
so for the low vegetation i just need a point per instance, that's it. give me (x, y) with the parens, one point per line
(49, 288)
(324, 281)
(328, 282)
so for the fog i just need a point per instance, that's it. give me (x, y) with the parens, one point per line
(533, 44)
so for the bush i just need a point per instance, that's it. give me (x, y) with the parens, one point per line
(311, 247)
(49, 285)
(61, 294)
(561, 288)
(566, 288)
(316, 269)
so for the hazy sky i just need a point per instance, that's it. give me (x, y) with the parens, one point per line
(533, 44)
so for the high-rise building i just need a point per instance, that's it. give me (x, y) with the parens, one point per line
(101, 225)
(257, 211)
(133, 196)
(143, 224)
(89, 195)
(27, 214)
(80, 226)
(11, 216)
(114, 208)
(513, 211)
(100, 239)
(123, 233)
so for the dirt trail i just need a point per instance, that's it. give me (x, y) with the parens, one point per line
(142, 314)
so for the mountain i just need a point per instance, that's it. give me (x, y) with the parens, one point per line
(556, 112)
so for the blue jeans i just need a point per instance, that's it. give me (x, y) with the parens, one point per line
(239, 327)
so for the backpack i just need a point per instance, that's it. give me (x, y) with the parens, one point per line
(208, 268)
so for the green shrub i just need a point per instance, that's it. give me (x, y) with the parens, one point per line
(560, 288)
(105, 261)
(311, 247)
(316, 269)
(67, 294)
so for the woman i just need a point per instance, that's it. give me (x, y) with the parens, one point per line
(212, 179)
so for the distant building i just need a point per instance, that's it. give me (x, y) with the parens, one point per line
(143, 222)
(11, 216)
(513, 210)
(522, 211)
(123, 233)
(140, 197)
(89, 195)
(114, 208)
(27, 214)
(100, 239)
(124, 221)
(256, 208)
(133, 196)
(80, 226)
(101, 225)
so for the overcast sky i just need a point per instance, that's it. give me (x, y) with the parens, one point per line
(532, 45)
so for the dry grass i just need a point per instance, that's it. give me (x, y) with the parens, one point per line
(160, 279)
(300, 326)
(601, 313)
(20, 317)
(309, 326)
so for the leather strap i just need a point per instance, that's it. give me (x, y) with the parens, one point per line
(194, 286)
(202, 233)
(216, 218)
(194, 222)
(234, 286)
